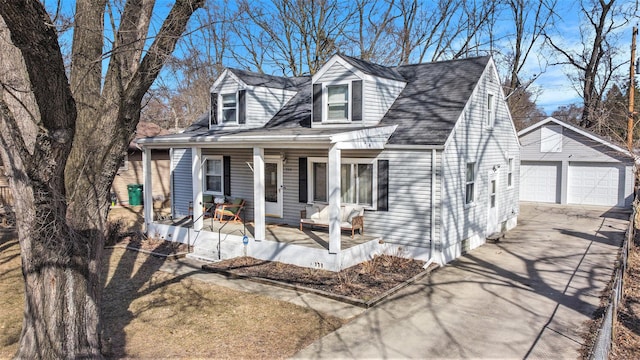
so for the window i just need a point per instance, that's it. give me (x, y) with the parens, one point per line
(490, 111)
(470, 183)
(510, 172)
(338, 102)
(492, 194)
(228, 108)
(213, 175)
(356, 181)
(320, 181)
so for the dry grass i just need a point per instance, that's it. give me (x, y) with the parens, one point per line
(11, 294)
(152, 314)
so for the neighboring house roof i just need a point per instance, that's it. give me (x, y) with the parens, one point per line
(581, 131)
(424, 113)
(146, 129)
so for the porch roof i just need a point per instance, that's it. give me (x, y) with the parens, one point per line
(374, 137)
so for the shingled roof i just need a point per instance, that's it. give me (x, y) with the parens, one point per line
(433, 99)
(425, 112)
(270, 81)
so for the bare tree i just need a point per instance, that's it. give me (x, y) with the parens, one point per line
(181, 94)
(62, 147)
(296, 37)
(594, 64)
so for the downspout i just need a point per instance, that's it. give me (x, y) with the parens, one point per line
(432, 253)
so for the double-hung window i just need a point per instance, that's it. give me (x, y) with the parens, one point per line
(510, 172)
(338, 102)
(213, 175)
(229, 108)
(470, 183)
(356, 181)
(490, 111)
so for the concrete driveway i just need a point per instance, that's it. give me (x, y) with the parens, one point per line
(526, 297)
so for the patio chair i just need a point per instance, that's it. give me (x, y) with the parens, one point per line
(231, 210)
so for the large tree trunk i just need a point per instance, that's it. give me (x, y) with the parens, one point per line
(61, 207)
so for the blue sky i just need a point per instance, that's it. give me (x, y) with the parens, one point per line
(552, 84)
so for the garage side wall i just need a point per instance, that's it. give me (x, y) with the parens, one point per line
(585, 167)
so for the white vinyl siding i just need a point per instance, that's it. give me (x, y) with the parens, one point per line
(551, 138)
(182, 189)
(377, 94)
(576, 149)
(489, 150)
(408, 219)
(261, 103)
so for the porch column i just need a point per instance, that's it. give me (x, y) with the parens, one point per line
(258, 193)
(333, 167)
(147, 188)
(196, 177)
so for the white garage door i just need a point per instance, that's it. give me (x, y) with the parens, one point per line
(593, 184)
(539, 182)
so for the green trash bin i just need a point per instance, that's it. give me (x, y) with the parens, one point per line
(135, 194)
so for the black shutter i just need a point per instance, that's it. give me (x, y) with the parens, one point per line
(302, 180)
(226, 169)
(356, 100)
(317, 102)
(213, 116)
(242, 107)
(383, 185)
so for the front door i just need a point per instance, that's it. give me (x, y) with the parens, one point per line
(492, 212)
(273, 187)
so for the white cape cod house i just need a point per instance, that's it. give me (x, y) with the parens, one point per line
(427, 153)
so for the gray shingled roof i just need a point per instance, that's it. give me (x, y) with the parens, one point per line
(433, 99)
(271, 81)
(425, 111)
(373, 69)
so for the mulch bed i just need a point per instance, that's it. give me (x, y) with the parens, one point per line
(365, 281)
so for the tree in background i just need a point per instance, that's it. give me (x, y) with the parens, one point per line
(594, 67)
(62, 142)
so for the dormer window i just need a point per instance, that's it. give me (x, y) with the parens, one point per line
(338, 102)
(229, 108)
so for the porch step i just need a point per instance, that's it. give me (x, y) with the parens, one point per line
(495, 237)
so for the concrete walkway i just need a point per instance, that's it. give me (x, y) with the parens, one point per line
(525, 297)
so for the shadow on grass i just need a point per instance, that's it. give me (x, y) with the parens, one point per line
(132, 279)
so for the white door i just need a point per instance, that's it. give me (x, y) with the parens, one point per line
(492, 212)
(273, 187)
(593, 184)
(539, 181)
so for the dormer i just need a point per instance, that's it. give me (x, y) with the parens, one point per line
(243, 99)
(349, 92)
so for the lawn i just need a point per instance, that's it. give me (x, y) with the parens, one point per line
(151, 314)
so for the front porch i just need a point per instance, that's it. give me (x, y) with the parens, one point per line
(309, 247)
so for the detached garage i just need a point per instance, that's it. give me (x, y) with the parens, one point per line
(564, 164)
